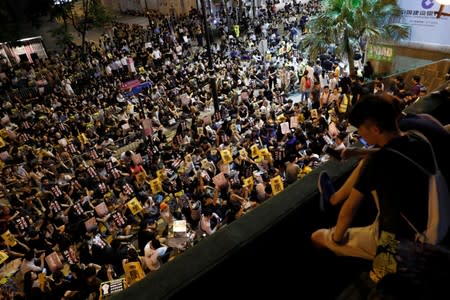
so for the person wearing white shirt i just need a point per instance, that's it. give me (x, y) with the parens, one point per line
(340, 141)
(261, 194)
(205, 222)
(333, 82)
(27, 265)
(157, 56)
(123, 61)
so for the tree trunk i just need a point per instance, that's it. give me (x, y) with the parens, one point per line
(85, 26)
(349, 51)
(227, 15)
(254, 9)
(64, 17)
(364, 46)
(239, 12)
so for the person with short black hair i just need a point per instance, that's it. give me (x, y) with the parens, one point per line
(153, 250)
(415, 90)
(396, 185)
(59, 285)
(292, 169)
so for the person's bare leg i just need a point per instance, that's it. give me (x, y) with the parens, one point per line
(342, 194)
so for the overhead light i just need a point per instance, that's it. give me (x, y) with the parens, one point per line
(441, 12)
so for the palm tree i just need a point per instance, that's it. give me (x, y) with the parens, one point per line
(348, 22)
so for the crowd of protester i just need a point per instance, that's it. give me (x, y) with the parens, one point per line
(76, 196)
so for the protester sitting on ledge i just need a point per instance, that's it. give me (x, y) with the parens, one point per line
(393, 182)
(426, 124)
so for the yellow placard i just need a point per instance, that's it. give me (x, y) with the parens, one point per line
(248, 182)
(227, 158)
(281, 118)
(277, 185)
(258, 159)
(3, 256)
(135, 206)
(83, 139)
(42, 279)
(243, 153)
(156, 186)
(130, 108)
(301, 118)
(10, 240)
(109, 239)
(188, 158)
(102, 228)
(3, 133)
(254, 150)
(236, 30)
(133, 272)
(264, 152)
(2, 142)
(179, 194)
(140, 177)
(161, 174)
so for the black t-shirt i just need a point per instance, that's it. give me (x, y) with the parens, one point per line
(58, 289)
(400, 185)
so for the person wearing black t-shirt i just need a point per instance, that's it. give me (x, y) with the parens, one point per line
(397, 186)
(59, 285)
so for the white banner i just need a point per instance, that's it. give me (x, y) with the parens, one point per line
(424, 26)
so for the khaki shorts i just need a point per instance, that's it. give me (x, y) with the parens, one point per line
(361, 242)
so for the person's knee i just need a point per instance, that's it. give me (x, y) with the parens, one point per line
(447, 127)
(318, 238)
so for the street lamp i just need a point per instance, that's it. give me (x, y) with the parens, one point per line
(441, 12)
(212, 78)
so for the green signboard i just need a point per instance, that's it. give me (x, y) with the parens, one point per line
(380, 53)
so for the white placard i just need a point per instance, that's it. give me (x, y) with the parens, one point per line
(285, 127)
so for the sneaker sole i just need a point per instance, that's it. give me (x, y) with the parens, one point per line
(319, 187)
